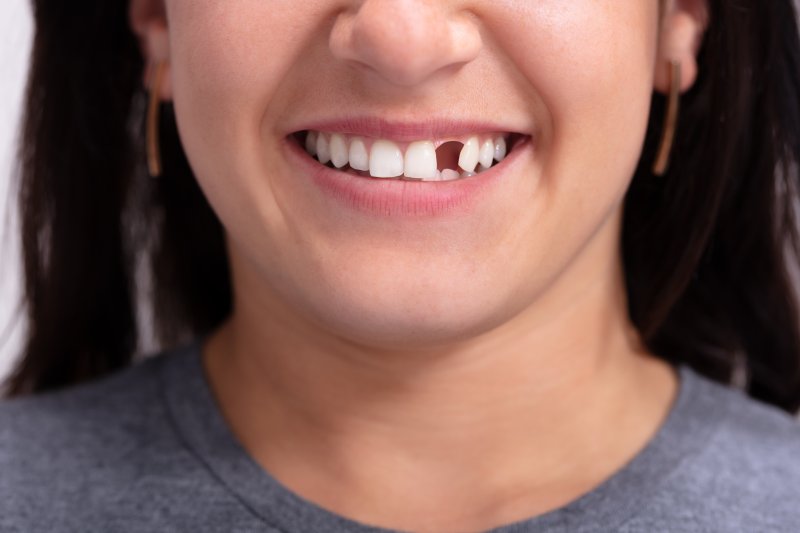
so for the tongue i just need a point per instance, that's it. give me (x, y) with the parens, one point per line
(447, 155)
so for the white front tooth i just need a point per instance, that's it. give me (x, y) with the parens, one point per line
(449, 174)
(385, 160)
(339, 154)
(311, 143)
(500, 149)
(435, 177)
(323, 149)
(487, 154)
(420, 160)
(470, 154)
(359, 158)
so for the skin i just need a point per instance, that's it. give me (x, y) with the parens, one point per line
(446, 374)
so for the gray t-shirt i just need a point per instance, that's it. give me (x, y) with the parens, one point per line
(147, 449)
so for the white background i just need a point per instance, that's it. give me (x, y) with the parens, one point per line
(15, 36)
(15, 40)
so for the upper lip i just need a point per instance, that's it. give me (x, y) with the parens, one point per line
(403, 131)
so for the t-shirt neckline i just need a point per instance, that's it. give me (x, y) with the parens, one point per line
(201, 426)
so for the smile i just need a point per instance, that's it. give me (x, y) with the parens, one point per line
(442, 159)
(407, 170)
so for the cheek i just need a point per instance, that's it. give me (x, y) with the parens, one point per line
(591, 65)
(228, 59)
(232, 54)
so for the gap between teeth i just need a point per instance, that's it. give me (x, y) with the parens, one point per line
(386, 159)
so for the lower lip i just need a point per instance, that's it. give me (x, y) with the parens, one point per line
(397, 198)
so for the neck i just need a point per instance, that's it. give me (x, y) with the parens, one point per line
(540, 407)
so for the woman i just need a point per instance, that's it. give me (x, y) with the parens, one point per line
(448, 266)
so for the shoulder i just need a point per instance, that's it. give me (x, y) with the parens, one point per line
(757, 444)
(107, 456)
(97, 409)
(745, 477)
(65, 447)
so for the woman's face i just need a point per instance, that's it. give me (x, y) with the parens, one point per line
(392, 262)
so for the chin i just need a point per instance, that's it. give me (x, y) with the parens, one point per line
(407, 316)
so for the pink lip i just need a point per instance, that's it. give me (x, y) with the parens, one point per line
(380, 128)
(395, 198)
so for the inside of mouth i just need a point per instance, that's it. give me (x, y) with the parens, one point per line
(447, 154)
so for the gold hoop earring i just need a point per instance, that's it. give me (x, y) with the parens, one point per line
(670, 120)
(153, 151)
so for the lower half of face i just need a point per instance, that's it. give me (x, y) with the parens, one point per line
(397, 191)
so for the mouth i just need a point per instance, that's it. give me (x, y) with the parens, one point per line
(408, 171)
(440, 159)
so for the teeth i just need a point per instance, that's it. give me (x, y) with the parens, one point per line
(470, 154)
(500, 149)
(449, 174)
(486, 157)
(323, 149)
(311, 143)
(386, 160)
(339, 155)
(359, 158)
(420, 161)
(417, 160)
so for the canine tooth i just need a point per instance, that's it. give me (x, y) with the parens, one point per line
(470, 154)
(323, 149)
(487, 154)
(385, 160)
(500, 149)
(449, 174)
(311, 143)
(359, 158)
(468, 174)
(339, 154)
(420, 160)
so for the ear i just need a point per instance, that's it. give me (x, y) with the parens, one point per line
(683, 26)
(148, 21)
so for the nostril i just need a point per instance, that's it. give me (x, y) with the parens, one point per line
(447, 155)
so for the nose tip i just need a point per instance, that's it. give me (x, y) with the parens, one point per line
(405, 41)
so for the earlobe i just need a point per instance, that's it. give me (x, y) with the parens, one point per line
(149, 23)
(663, 74)
(156, 52)
(683, 28)
(164, 81)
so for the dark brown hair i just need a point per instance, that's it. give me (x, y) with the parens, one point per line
(707, 248)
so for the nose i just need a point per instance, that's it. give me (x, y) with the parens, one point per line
(406, 41)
